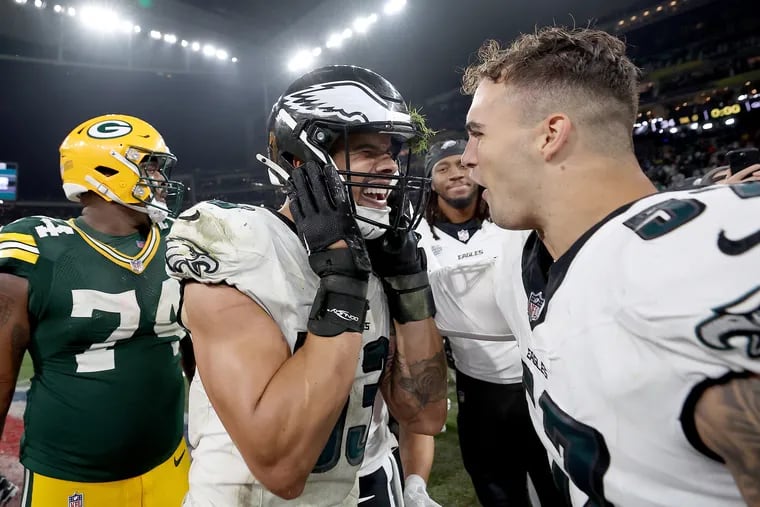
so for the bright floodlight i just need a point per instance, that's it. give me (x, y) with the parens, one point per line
(730, 121)
(126, 26)
(196, 46)
(209, 50)
(316, 52)
(137, 29)
(334, 41)
(347, 33)
(394, 6)
(234, 59)
(222, 54)
(170, 38)
(184, 43)
(21, 2)
(362, 24)
(300, 61)
(57, 8)
(71, 11)
(155, 34)
(39, 4)
(99, 18)
(707, 126)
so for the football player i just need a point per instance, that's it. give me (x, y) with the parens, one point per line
(90, 300)
(641, 376)
(291, 322)
(498, 443)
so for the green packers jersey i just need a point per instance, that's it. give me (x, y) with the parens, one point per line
(107, 397)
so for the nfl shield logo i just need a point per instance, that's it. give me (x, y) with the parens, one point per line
(463, 235)
(137, 266)
(76, 500)
(535, 305)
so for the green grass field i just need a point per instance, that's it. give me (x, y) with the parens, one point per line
(449, 484)
(26, 369)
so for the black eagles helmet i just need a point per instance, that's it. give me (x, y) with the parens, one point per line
(323, 107)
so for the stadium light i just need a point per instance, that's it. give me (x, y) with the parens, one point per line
(394, 6)
(316, 52)
(21, 2)
(170, 38)
(195, 46)
(347, 33)
(209, 50)
(234, 59)
(222, 55)
(155, 34)
(334, 41)
(673, 130)
(694, 126)
(99, 18)
(730, 121)
(71, 11)
(57, 8)
(707, 126)
(39, 4)
(301, 60)
(137, 29)
(184, 43)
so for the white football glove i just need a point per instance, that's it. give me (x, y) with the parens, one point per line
(415, 493)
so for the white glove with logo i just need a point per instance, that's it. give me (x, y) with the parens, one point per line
(415, 493)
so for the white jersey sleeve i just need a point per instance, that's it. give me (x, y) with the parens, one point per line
(220, 243)
(711, 313)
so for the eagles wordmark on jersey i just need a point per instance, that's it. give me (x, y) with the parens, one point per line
(257, 251)
(490, 361)
(106, 399)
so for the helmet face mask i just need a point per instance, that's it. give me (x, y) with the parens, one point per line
(319, 114)
(122, 159)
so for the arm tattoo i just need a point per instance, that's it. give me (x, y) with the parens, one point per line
(424, 380)
(732, 429)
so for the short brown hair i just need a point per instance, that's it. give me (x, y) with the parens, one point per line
(580, 68)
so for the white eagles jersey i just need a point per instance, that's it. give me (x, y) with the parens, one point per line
(380, 442)
(257, 251)
(641, 314)
(647, 309)
(490, 361)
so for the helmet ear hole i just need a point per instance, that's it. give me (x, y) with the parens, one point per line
(106, 171)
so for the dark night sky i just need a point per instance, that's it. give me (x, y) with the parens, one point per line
(204, 118)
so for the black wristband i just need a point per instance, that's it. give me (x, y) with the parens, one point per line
(334, 313)
(410, 297)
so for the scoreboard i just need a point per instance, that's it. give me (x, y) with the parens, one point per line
(8, 181)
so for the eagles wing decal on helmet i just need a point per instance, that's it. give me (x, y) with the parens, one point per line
(358, 103)
(184, 256)
(740, 319)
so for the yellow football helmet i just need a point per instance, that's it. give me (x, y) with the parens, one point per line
(122, 159)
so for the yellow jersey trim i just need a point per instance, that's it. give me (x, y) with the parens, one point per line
(19, 254)
(134, 263)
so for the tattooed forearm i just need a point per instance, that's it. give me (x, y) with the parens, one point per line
(424, 380)
(728, 421)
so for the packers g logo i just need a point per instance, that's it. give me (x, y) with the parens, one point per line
(109, 129)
